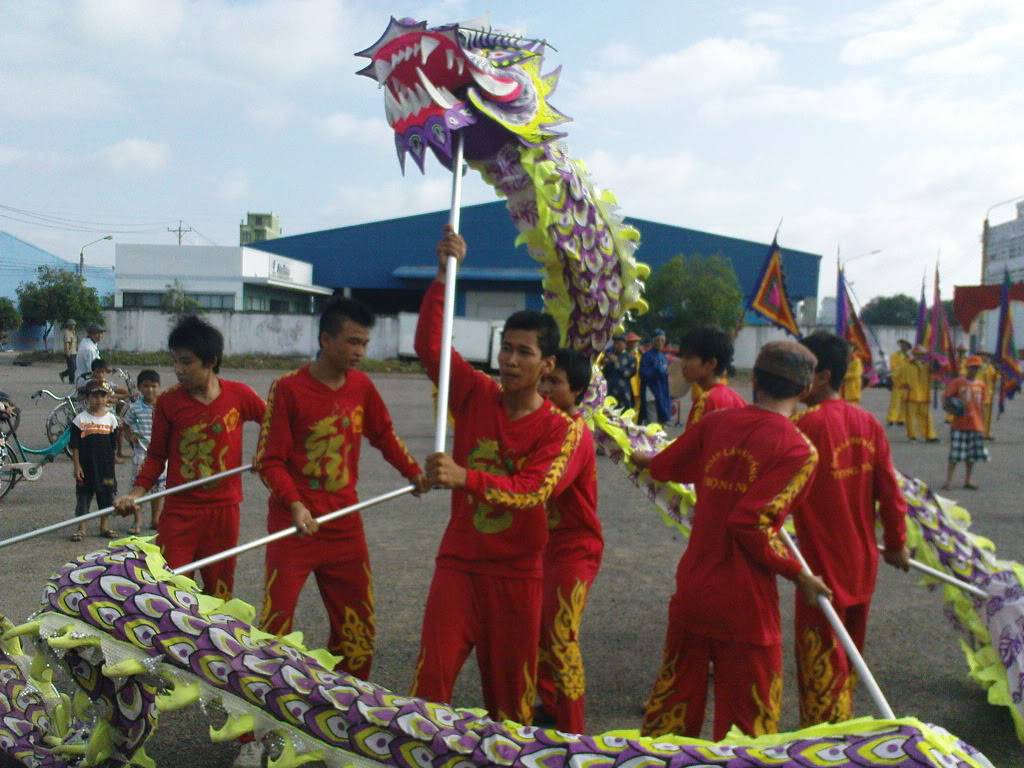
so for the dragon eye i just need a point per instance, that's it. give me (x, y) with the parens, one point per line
(438, 131)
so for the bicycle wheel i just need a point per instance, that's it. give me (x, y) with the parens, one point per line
(8, 476)
(59, 420)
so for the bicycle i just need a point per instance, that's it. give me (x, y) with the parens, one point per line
(17, 460)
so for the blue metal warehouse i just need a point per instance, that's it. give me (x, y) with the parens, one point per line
(388, 263)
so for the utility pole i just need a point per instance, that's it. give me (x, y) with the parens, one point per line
(179, 231)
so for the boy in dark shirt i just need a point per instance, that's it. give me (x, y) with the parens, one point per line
(93, 445)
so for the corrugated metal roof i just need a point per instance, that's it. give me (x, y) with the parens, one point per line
(20, 260)
(371, 255)
(474, 273)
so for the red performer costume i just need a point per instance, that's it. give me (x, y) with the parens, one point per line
(835, 525)
(714, 398)
(197, 440)
(571, 560)
(750, 465)
(487, 586)
(309, 452)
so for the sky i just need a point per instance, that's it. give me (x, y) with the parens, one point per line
(888, 126)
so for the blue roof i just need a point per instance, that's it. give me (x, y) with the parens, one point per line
(399, 253)
(19, 261)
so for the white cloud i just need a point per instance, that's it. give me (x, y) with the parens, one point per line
(143, 23)
(44, 95)
(11, 155)
(234, 185)
(349, 129)
(135, 155)
(273, 116)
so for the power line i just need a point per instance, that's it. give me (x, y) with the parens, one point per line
(179, 231)
(58, 219)
(66, 228)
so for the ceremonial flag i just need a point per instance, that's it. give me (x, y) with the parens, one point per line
(770, 299)
(938, 339)
(850, 327)
(1006, 351)
(922, 317)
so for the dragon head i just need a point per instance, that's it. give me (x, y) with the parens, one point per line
(440, 80)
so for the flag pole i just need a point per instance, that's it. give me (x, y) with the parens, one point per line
(291, 531)
(844, 637)
(447, 327)
(942, 576)
(108, 510)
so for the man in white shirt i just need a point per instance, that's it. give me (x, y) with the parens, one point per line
(88, 350)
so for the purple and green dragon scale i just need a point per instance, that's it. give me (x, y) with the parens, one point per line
(116, 595)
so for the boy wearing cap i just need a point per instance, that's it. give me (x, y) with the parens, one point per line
(654, 376)
(967, 439)
(619, 366)
(93, 444)
(918, 376)
(751, 465)
(835, 524)
(707, 357)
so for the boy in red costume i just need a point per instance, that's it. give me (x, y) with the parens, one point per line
(572, 556)
(308, 456)
(835, 525)
(197, 432)
(750, 465)
(967, 434)
(511, 448)
(707, 357)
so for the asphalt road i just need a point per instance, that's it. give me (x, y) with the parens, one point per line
(911, 649)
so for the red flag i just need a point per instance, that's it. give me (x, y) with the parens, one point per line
(850, 327)
(770, 299)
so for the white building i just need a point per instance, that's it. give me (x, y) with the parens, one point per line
(1004, 250)
(229, 278)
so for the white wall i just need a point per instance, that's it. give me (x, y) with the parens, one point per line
(200, 268)
(262, 264)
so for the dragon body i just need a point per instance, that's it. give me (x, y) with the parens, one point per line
(137, 640)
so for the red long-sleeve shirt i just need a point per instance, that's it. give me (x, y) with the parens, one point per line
(309, 446)
(750, 466)
(714, 398)
(573, 525)
(198, 440)
(835, 521)
(498, 524)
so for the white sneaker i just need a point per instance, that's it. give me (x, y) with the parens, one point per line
(249, 756)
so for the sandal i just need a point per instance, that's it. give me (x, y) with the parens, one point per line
(134, 530)
(77, 536)
(109, 533)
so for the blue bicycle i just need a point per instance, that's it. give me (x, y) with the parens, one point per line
(17, 460)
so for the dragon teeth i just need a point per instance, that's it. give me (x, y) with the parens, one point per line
(436, 94)
(381, 69)
(427, 47)
(493, 84)
(449, 58)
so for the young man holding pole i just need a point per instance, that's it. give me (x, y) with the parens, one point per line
(835, 525)
(308, 456)
(750, 465)
(572, 556)
(197, 432)
(510, 450)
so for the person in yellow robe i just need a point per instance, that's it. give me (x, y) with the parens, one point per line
(989, 376)
(633, 347)
(853, 381)
(898, 395)
(918, 372)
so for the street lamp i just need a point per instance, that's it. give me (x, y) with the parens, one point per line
(861, 256)
(81, 253)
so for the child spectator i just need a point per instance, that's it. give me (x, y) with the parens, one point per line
(308, 456)
(511, 448)
(101, 372)
(835, 524)
(572, 555)
(965, 398)
(138, 424)
(750, 466)
(197, 432)
(707, 358)
(93, 442)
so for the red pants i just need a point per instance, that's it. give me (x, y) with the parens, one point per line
(498, 616)
(560, 678)
(342, 571)
(748, 685)
(823, 669)
(187, 533)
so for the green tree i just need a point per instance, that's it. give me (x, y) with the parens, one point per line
(890, 310)
(690, 291)
(10, 318)
(179, 304)
(55, 296)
